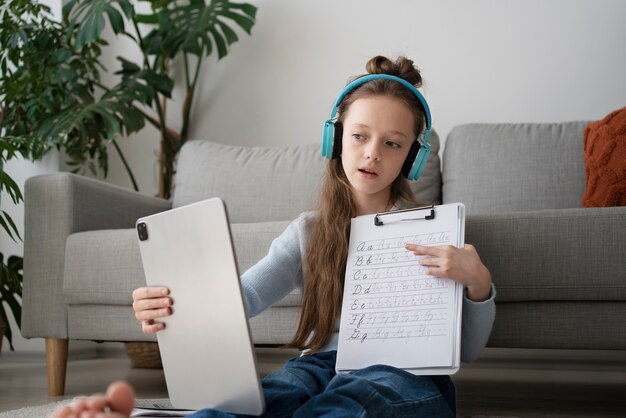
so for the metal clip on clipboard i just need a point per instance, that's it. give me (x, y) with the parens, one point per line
(428, 216)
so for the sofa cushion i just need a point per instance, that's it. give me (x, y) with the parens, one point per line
(252, 241)
(494, 168)
(571, 325)
(258, 184)
(261, 184)
(553, 255)
(104, 267)
(605, 161)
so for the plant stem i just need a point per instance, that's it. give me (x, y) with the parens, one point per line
(128, 170)
(146, 63)
(165, 172)
(186, 61)
(189, 100)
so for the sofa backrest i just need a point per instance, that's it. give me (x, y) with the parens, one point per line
(262, 184)
(494, 168)
(258, 184)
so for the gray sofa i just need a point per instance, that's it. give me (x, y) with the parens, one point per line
(560, 269)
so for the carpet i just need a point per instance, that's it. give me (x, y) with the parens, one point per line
(41, 411)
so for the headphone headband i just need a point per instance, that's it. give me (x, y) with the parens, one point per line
(362, 80)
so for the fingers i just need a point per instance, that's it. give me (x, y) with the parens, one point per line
(110, 415)
(421, 249)
(151, 327)
(462, 265)
(80, 404)
(63, 412)
(150, 303)
(96, 402)
(82, 407)
(151, 314)
(437, 259)
(117, 403)
(152, 308)
(438, 271)
(436, 250)
(148, 292)
(121, 397)
(436, 266)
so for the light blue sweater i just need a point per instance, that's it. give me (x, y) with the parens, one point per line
(282, 270)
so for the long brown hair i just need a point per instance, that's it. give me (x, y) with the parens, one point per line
(330, 233)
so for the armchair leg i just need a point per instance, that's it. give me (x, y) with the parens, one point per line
(56, 363)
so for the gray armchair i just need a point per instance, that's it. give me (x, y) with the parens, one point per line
(61, 210)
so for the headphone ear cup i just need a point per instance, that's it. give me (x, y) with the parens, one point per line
(328, 138)
(420, 162)
(410, 159)
(337, 140)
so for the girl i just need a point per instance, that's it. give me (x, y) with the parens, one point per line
(377, 126)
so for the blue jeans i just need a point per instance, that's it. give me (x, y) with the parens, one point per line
(309, 387)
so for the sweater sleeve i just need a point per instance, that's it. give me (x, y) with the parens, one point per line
(476, 326)
(276, 274)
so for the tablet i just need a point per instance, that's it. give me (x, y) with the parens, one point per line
(206, 348)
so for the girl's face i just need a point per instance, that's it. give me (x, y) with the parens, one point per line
(378, 132)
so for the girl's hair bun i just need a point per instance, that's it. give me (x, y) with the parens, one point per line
(402, 67)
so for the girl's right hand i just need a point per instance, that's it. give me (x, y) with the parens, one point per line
(150, 303)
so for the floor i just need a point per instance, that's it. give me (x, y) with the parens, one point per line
(502, 383)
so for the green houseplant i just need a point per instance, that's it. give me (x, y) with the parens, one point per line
(11, 271)
(52, 96)
(10, 291)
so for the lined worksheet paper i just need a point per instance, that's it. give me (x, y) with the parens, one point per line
(393, 312)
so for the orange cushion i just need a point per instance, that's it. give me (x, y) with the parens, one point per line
(605, 161)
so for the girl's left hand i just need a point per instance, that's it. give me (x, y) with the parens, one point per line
(459, 264)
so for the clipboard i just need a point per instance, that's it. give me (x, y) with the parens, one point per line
(392, 312)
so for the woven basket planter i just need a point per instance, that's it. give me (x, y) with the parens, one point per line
(144, 355)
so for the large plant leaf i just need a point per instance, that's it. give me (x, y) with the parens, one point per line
(143, 82)
(196, 27)
(9, 226)
(131, 119)
(10, 289)
(9, 148)
(86, 129)
(10, 186)
(89, 17)
(7, 329)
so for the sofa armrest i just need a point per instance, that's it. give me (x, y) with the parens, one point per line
(56, 206)
(560, 276)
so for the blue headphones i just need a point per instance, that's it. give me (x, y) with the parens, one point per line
(420, 150)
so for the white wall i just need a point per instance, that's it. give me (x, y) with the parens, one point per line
(482, 61)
